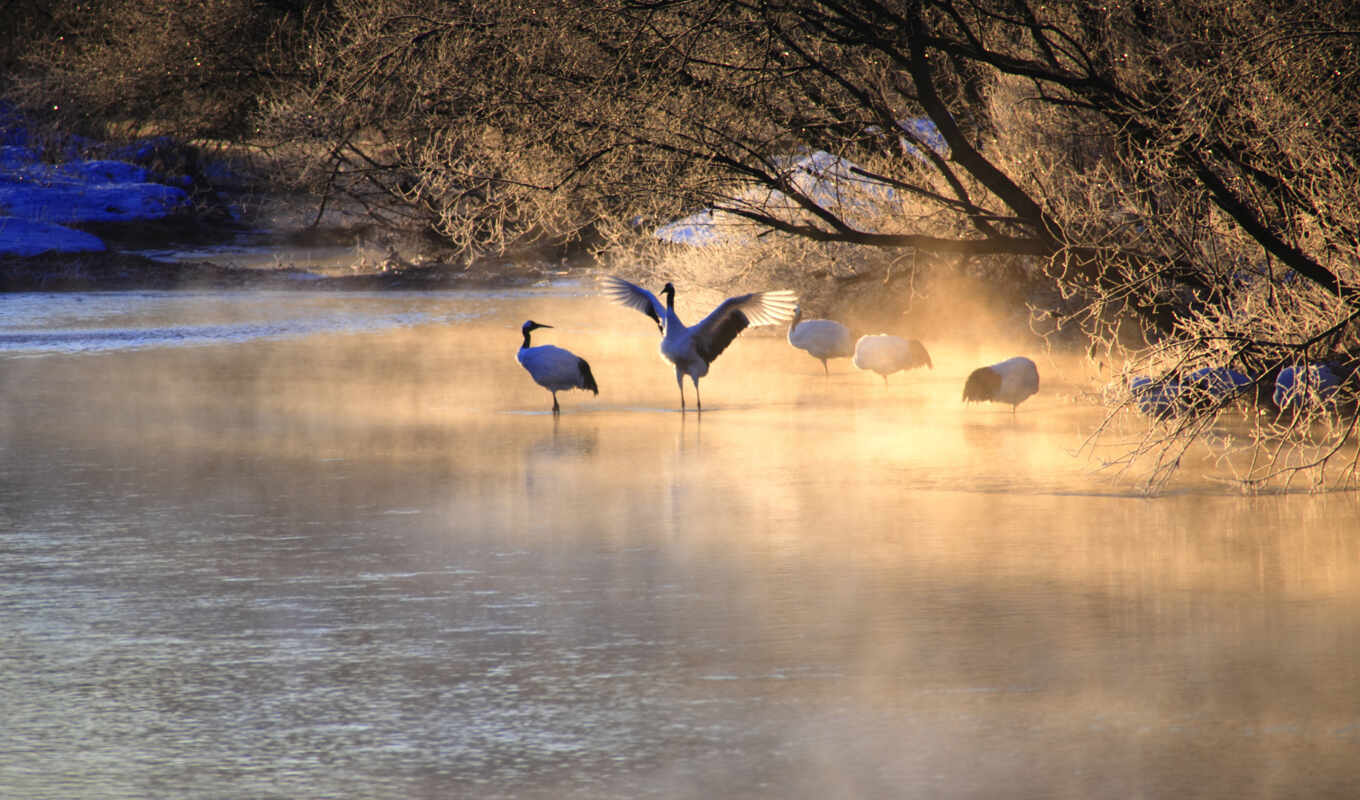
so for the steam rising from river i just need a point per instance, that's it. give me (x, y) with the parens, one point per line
(374, 549)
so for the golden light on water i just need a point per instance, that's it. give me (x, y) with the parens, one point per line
(814, 573)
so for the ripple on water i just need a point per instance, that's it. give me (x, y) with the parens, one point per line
(35, 324)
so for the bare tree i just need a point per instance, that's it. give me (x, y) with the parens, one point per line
(134, 67)
(1174, 181)
(1181, 174)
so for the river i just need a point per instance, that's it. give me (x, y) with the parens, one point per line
(310, 545)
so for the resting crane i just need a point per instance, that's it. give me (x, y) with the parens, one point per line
(885, 354)
(1010, 381)
(822, 339)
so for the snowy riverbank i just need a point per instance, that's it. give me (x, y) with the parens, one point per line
(69, 198)
(156, 214)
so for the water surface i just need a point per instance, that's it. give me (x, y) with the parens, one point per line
(291, 545)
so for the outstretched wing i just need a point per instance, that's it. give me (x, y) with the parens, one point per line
(633, 296)
(717, 330)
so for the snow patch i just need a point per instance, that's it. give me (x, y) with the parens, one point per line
(23, 237)
(39, 200)
(830, 181)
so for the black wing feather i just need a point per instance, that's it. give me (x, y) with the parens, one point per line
(710, 347)
(634, 296)
(587, 379)
(983, 384)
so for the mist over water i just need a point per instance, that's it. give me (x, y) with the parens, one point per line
(336, 546)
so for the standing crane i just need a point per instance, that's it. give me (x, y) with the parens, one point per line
(823, 339)
(1010, 381)
(885, 354)
(553, 368)
(692, 348)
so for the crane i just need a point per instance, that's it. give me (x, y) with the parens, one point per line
(885, 354)
(1010, 381)
(822, 339)
(552, 367)
(692, 348)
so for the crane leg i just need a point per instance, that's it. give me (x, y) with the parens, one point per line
(680, 381)
(825, 368)
(556, 409)
(698, 402)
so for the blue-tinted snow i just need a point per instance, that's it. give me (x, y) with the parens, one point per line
(46, 195)
(38, 200)
(24, 237)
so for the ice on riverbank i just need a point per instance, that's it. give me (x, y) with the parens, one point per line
(830, 181)
(43, 205)
(25, 238)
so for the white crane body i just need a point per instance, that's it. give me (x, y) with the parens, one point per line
(885, 354)
(823, 339)
(554, 368)
(1011, 381)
